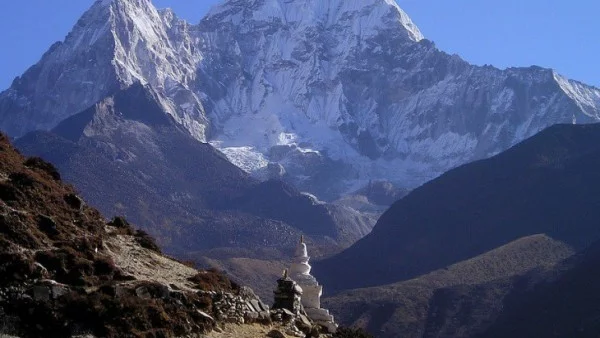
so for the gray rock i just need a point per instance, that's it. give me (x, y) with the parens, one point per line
(304, 320)
(47, 225)
(294, 331)
(287, 295)
(256, 305)
(252, 317)
(288, 312)
(263, 306)
(205, 315)
(41, 293)
(59, 290)
(163, 291)
(247, 293)
(143, 292)
(264, 316)
(74, 201)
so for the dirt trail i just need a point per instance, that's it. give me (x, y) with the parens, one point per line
(147, 265)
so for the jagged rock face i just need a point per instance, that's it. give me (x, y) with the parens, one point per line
(65, 270)
(127, 157)
(113, 45)
(336, 92)
(356, 82)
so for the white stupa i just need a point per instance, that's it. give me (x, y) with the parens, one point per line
(312, 291)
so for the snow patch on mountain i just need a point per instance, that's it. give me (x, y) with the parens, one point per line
(586, 97)
(246, 158)
(115, 44)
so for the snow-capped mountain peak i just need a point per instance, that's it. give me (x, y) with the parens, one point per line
(115, 43)
(328, 94)
(586, 97)
(365, 16)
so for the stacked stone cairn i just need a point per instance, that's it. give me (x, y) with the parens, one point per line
(244, 307)
(288, 308)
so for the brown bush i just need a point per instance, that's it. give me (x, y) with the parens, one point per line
(48, 226)
(130, 315)
(14, 229)
(8, 193)
(39, 163)
(123, 227)
(68, 266)
(104, 266)
(214, 280)
(15, 268)
(146, 241)
(21, 179)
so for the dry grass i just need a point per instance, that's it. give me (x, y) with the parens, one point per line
(145, 264)
(214, 280)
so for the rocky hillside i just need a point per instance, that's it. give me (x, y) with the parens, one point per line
(328, 95)
(548, 184)
(65, 270)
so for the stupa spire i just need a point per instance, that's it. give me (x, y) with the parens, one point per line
(312, 291)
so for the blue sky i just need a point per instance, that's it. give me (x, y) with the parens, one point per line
(560, 34)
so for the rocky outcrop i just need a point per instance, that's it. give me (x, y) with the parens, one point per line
(240, 308)
(289, 309)
(288, 295)
(65, 270)
(60, 271)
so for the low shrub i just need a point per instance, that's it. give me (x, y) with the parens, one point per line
(21, 179)
(39, 163)
(146, 241)
(15, 268)
(68, 266)
(123, 227)
(8, 193)
(214, 280)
